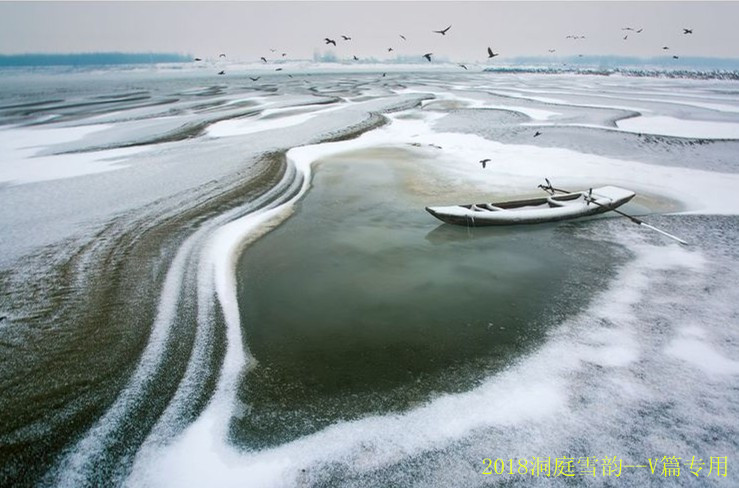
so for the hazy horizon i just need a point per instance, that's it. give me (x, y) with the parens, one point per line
(248, 31)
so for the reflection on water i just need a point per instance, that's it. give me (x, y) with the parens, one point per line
(362, 303)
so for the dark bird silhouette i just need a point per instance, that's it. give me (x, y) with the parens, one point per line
(665, 48)
(356, 58)
(687, 31)
(329, 41)
(463, 66)
(384, 75)
(221, 55)
(444, 31)
(289, 75)
(675, 57)
(403, 37)
(627, 28)
(263, 59)
(198, 59)
(639, 31)
(537, 134)
(254, 79)
(273, 50)
(389, 49)
(221, 72)
(491, 54)
(428, 56)
(552, 50)
(3, 318)
(278, 69)
(626, 37)
(346, 38)
(284, 54)
(483, 162)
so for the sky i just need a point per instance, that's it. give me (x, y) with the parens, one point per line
(245, 31)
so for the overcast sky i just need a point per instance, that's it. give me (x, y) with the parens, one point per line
(247, 30)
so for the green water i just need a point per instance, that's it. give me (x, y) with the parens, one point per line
(362, 303)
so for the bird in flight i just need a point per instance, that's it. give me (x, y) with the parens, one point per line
(537, 134)
(356, 58)
(198, 59)
(675, 57)
(329, 41)
(263, 59)
(254, 79)
(443, 32)
(639, 31)
(491, 54)
(284, 54)
(428, 56)
(278, 69)
(463, 66)
(346, 38)
(389, 49)
(626, 37)
(403, 37)
(687, 31)
(221, 72)
(221, 55)
(552, 50)
(665, 48)
(483, 162)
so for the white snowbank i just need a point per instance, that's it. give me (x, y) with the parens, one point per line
(672, 126)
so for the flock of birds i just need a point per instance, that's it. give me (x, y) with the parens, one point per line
(329, 41)
(490, 53)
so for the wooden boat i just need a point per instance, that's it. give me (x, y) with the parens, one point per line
(537, 210)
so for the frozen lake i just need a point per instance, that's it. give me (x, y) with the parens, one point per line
(210, 280)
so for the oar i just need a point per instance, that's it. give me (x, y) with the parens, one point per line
(589, 198)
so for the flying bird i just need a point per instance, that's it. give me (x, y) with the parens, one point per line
(665, 48)
(221, 55)
(552, 50)
(483, 162)
(389, 49)
(403, 37)
(329, 41)
(263, 59)
(254, 79)
(278, 69)
(346, 38)
(443, 32)
(639, 31)
(356, 58)
(463, 66)
(384, 75)
(626, 37)
(428, 56)
(687, 31)
(273, 50)
(221, 72)
(284, 54)
(675, 57)
(491, 54)
(537, 134)
(198, 59)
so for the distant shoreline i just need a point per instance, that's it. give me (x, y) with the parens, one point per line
(89, 59)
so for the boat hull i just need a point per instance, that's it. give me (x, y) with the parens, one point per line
(534, 211)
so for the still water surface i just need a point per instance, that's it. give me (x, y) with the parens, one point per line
(362, 303)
